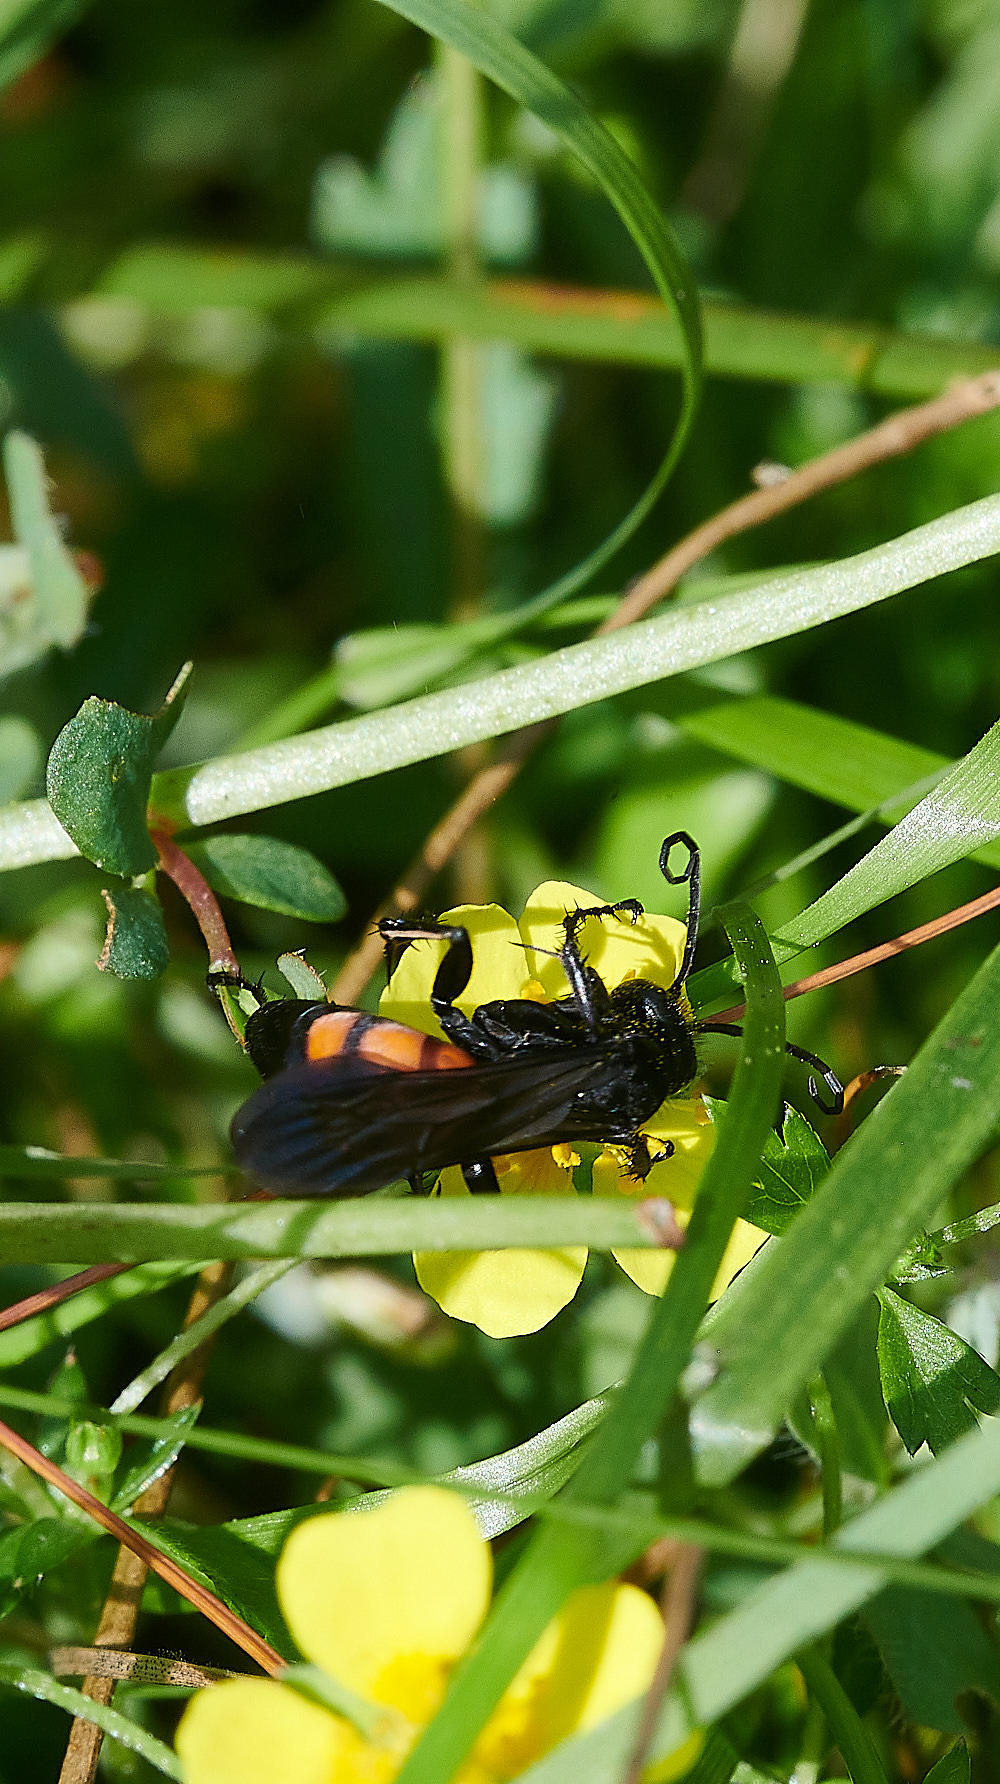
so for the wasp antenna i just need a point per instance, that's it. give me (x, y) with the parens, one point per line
(691, 874)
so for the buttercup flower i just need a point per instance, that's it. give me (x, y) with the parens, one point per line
(510, 1292)
(385, 1602)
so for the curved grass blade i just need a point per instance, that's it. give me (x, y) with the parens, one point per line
(496, 53)
(562, 1557)
(138, 1740)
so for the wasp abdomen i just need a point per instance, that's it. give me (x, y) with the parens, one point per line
(355, 1034)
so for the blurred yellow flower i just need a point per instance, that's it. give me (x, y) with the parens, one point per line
(505, 1293)
(385, 1602)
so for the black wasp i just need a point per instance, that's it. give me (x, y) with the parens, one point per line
(352, 1101)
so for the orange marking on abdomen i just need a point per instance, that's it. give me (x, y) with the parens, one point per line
(329, 1034)
(404, 1049)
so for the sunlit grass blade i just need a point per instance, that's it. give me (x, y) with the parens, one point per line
(960, 814)
(788, 1309)
(561, 1557)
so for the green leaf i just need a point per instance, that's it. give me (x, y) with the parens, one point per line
(99, 775)
(959, 815)
(272, 875)
(136, 945)
(529, 1475)
(785, 1312)
(238, 1570)
(792, 1168)
(952, 1768)
(20, 757)
(933, 1650)
(156, 1457)
(496, 53)
(562, 1557)
(933, 1382)
(59, 590)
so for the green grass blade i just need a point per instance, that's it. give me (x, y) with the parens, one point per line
(43, 1686)
(47, 1232)
(496, 53)
(561, 1557)
(959, 815)
(680, 640)
(786, 1312)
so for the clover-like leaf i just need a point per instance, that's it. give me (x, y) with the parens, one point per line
(933, 1382)
(136, 945)
(99, 776)
(792, 1167)
(273, 875)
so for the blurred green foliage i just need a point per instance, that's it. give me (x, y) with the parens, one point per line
(184, 192)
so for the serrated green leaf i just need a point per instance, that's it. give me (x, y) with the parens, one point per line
(932, 1653)
(272, 875)
(303, 978)
(59, 590)
(99, 775)
(136, 945)
(932, 1381)
(791, 1170)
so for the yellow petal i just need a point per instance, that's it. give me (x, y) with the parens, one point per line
(597, 1655)
(506, 1293)
(650, 1270)
(651, 949)
(253, 1731)
(686, 1123)
(386, 1600)
(676, 1764)
(499, 968)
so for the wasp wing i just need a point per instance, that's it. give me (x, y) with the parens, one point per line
(340, 1127)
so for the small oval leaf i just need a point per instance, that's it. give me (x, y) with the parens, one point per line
(136, 945)
(273, 875)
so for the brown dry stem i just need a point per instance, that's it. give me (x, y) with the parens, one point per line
(678, 1603)
(892, 438)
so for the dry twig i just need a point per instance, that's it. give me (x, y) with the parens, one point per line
(678, 1603)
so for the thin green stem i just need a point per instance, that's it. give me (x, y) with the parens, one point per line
(828, 1444)
(195, 1334)
(845, 1724)
(43, 1686)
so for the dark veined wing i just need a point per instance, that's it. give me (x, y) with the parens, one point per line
(340, 1128)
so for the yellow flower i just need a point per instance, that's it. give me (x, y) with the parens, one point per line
(509, 1292)
(385, 1602)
